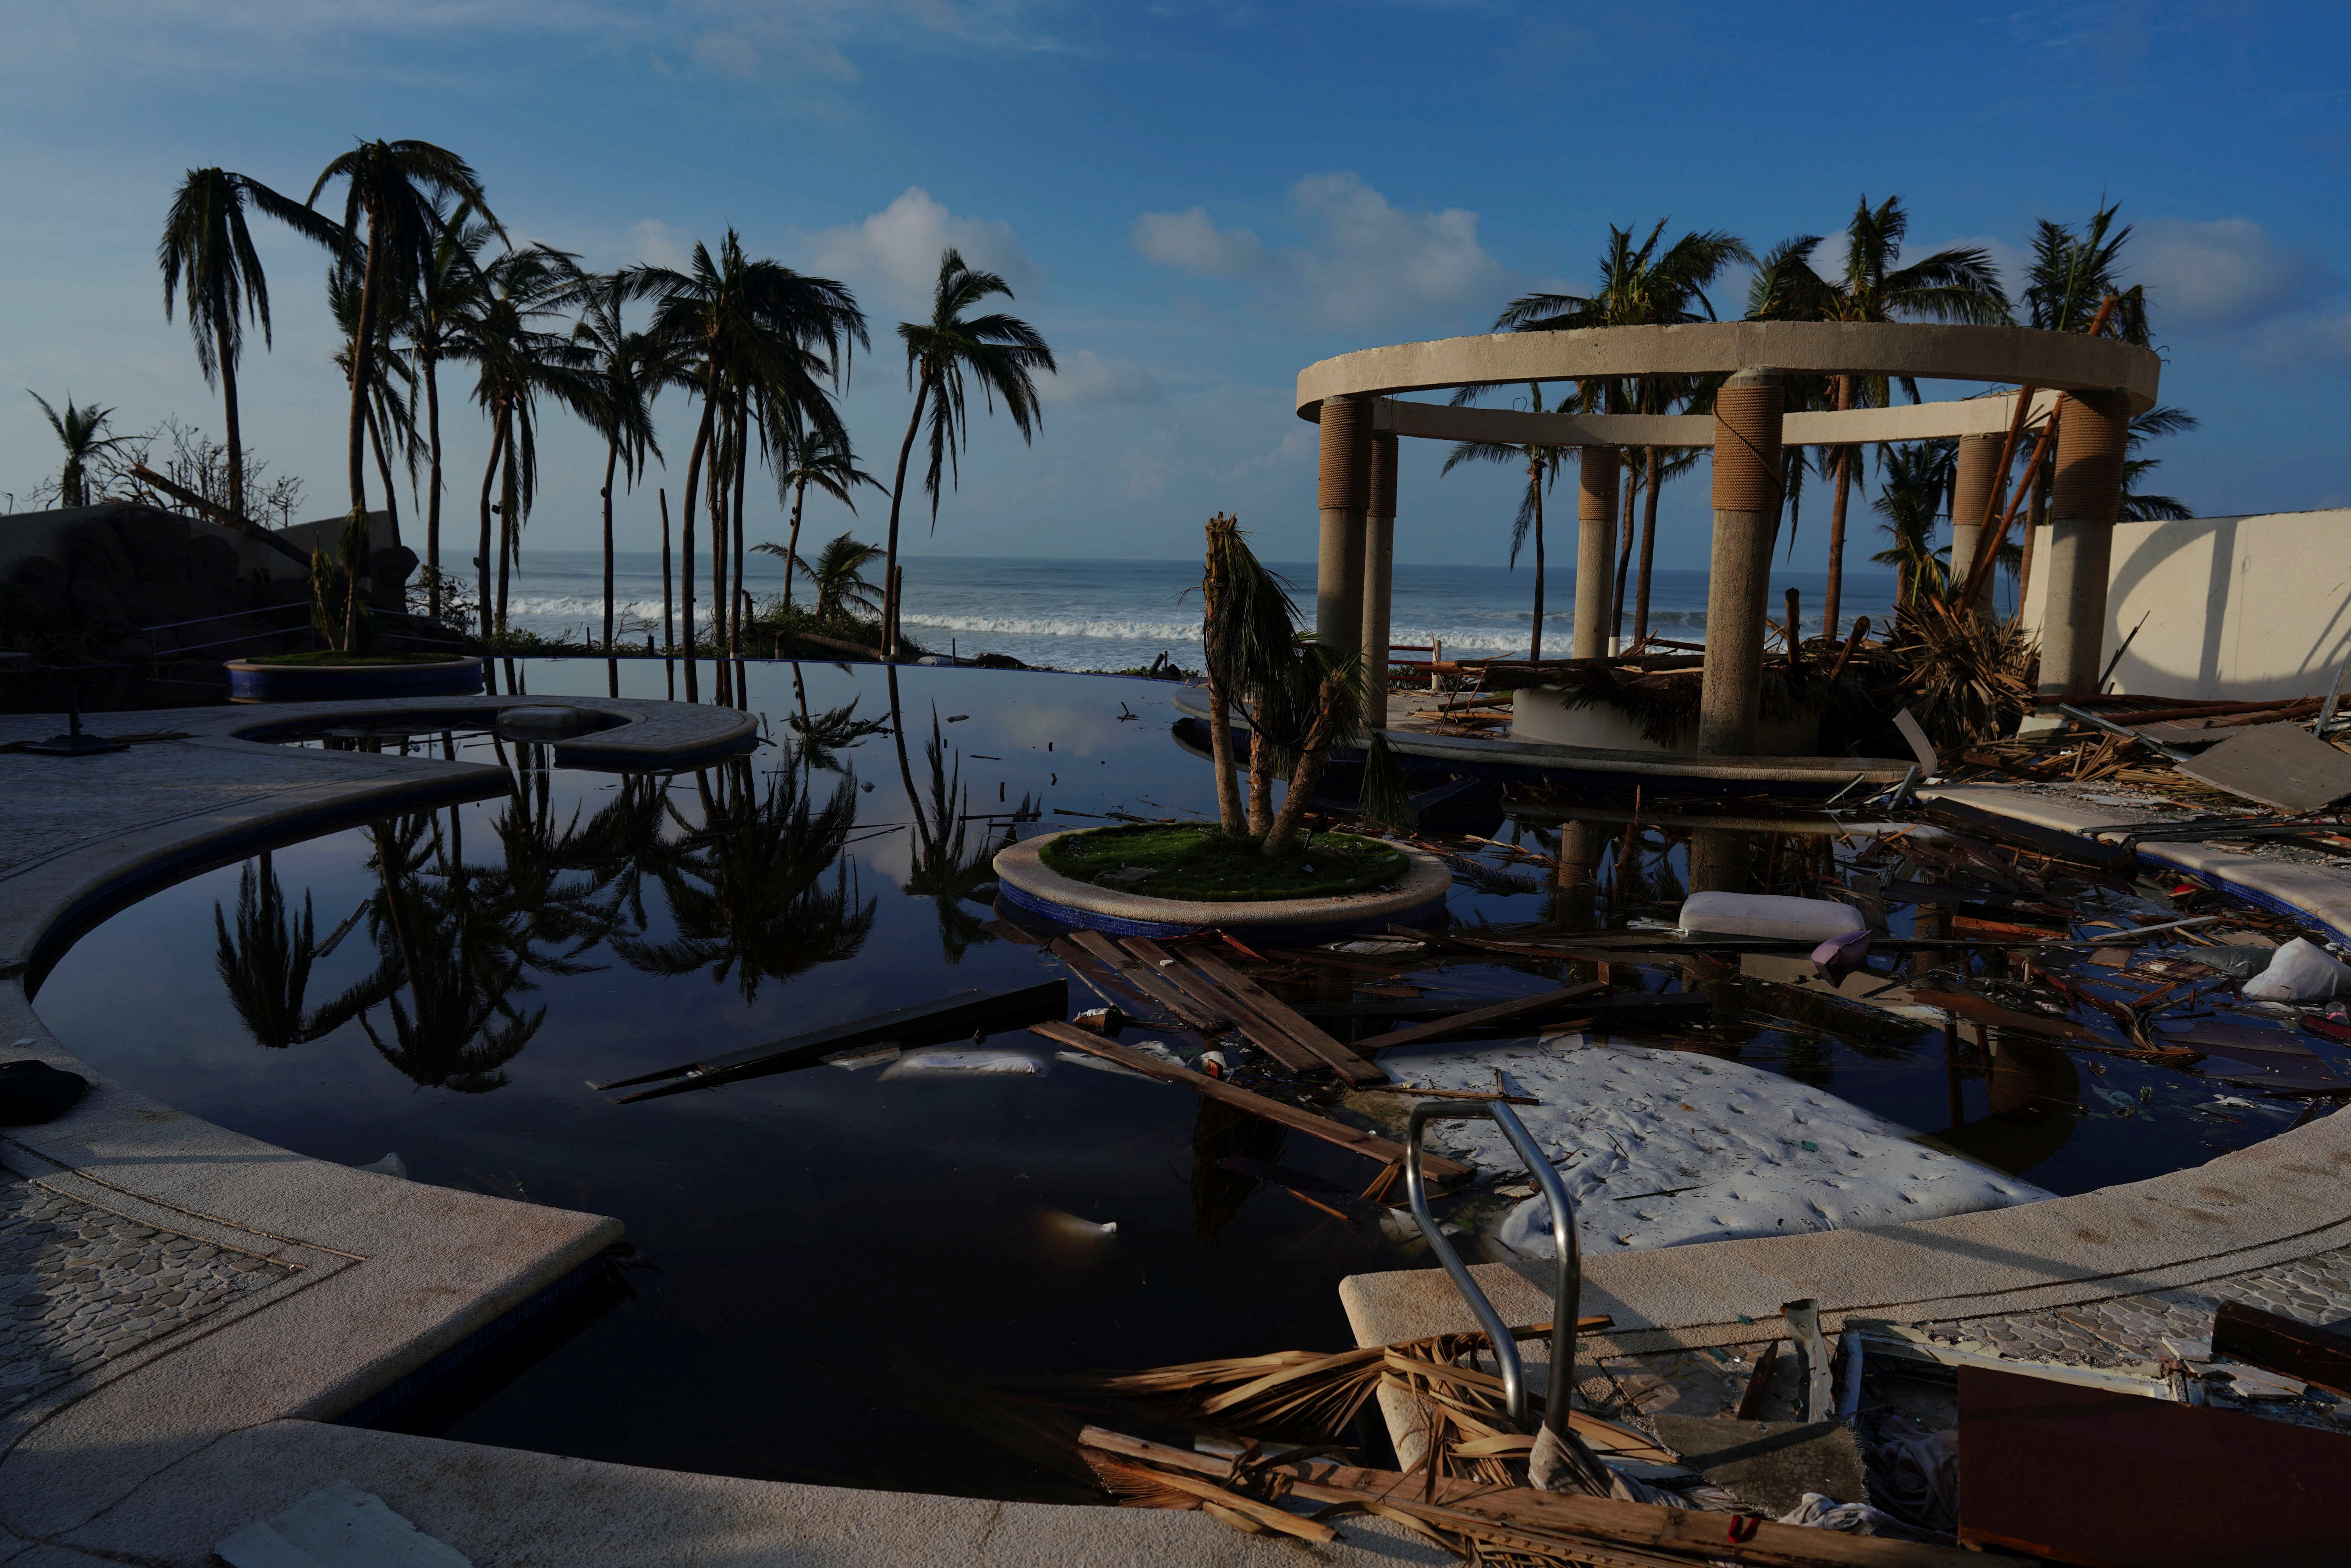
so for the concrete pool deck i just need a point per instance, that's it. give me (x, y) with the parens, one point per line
(186, 1308)
(2093, 1279)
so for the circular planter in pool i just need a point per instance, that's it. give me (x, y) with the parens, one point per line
(252, 683)
(1026, 884)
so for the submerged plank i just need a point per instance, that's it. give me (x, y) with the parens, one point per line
(1341, 1060)
(1461, 1023)
(1142, 978)
(1368, 1144)
(1259, 1030)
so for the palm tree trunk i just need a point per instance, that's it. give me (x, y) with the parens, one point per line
(1624, 551)
(481, 561)
(611, 459)
(669, 613)
(1649, 547)
(1311, 757)
(1834, 601)
(693, 464)
(228, 418)
(383, 469)
(432, 497)
(890, 552)
(509, 525)
(1261, 791)
(792, 545)
(742, 472)
(363, 363)
(1535, 488)
(715, 499)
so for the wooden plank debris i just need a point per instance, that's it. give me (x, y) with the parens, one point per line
(1345, 1063)
(1461, 1023)
(925, 1023)
(1140, 978)
(1211, 1001)
(1354, 1139)
(2283, 1345)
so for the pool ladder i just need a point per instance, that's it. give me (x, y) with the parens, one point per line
(1567, 1286)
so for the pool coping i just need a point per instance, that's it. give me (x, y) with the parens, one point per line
(2282, 1199)
(157, 1453)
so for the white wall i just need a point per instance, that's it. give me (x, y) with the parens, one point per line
(2233, 607)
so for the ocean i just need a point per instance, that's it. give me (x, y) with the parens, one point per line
(1115, 614)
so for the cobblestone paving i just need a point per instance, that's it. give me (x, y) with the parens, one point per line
(80, 1284)
(2314, 1289)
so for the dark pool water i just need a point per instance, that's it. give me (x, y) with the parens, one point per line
(828, 1260)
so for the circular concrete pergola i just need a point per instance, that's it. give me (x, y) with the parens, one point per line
(2100, 382)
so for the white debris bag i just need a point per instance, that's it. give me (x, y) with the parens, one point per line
(2300, 972)
(1770, 914)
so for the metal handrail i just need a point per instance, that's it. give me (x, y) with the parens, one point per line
(1567, 1288)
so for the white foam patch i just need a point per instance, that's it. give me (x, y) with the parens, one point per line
(1662, 1148)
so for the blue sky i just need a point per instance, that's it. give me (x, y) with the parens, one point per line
(1193, 202)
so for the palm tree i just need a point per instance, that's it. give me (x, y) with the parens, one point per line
(265, 961)
(633, 368)
(515, 361)
(806, 456)
(398, 188)
(82, 430)
(1959, 283)
(757, 337)
(1542, 463)
(2137, 506)
(945, 865)
(446, 295)
(1918, 482)
(1640, 286)
(1001, 352)
(206, 245)
(839, 575)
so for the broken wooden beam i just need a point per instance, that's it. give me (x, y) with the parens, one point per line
(1140, 979)
(1347, 1063)
(1354, 1139)
(1476, 1018)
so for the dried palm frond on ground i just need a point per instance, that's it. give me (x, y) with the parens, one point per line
(1966, 678)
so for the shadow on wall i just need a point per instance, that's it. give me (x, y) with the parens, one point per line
(2226, 608)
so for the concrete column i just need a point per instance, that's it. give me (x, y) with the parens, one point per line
(2086, 494)
(1576, 905)
(1379, 575)
(1595, 554)
(1747, 477)
(1972, 478)
(1344, 491)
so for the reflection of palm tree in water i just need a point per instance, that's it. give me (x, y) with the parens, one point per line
(265, 961)
(745, 889)
(947, 867)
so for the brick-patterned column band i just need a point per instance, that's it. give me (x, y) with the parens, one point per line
(1596, 494)
(1346, 453)
(1747, 442)
(1975, 472)
(1383, 465)
(2093, 438)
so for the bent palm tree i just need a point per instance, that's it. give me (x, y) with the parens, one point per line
(1001, 352)
(394, 188)
(82, 432)
(805, 455)
(207, 247)
(1959, 283)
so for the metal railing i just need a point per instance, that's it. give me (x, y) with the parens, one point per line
(1567, 1286)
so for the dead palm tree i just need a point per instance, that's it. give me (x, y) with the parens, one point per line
(808, 455)
(207, 247)
(397, 190)
(1542, 465)
(1002, 353)
(82, 430)
(1959, 283)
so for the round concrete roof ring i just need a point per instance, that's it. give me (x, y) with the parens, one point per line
(2053, 362)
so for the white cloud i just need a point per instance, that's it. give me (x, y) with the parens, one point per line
(2305, 343)
(657, 243)
(1087, 377)
(897, 249)
(1373, 262)
(1364, 261)
(1191, 240)
(2225, 274)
